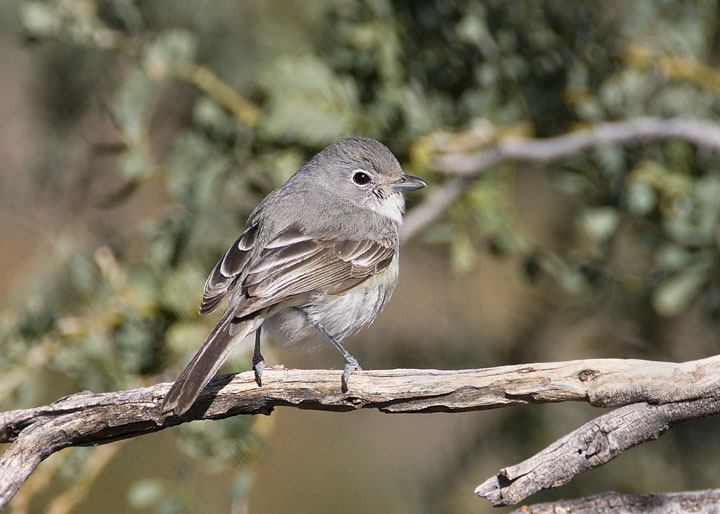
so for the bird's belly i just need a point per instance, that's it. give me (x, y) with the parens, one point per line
(342, 315)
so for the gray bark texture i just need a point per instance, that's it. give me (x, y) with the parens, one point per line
(695, 502)
(657, 395)
(590, 446)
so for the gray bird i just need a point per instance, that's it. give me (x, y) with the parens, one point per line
(319, 256)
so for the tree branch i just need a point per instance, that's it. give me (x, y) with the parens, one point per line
(591, 446)
(614, 503)
(704, 134)
(91, 419)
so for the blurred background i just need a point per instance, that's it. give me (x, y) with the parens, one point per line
(137, 136)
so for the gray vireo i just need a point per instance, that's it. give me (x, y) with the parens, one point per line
(319, 256)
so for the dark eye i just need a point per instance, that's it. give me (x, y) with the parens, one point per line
(361, 178)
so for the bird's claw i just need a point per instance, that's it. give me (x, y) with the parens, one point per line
(258, 367)
(351, 365)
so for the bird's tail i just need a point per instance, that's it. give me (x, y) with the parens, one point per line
(207, 360)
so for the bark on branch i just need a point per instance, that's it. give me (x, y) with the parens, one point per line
(703, 134)
(90, 419)
(590, 446)
(690, 502)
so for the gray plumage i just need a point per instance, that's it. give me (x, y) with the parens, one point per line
(319, 255)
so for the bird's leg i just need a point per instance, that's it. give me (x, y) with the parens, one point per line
(258, 361)
(351, 363)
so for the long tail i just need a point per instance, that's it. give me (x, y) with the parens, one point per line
(207, 360)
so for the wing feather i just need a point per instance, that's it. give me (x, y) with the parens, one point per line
(294, 264)
(228, 268)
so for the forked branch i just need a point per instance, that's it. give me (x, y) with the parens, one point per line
(674, 392)
(467, 166)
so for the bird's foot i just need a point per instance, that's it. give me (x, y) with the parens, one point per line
(258, 367)
(351, 364)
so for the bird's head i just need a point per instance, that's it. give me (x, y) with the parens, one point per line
(365, 172)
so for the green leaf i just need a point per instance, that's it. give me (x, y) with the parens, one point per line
(169, 51)
(600, 223)
(135, 164)
(143, 494)
(40, 19)
(640, 198)
(674, 295)
(308, 102)
(672, 257)
(462, 254)
(132, 108)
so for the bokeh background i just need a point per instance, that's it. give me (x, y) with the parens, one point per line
(136, 137)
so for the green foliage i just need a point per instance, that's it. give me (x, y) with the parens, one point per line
(308, 103)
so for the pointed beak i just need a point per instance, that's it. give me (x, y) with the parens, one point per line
(408, 183)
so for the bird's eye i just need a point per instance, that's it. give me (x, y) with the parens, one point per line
(361, 178)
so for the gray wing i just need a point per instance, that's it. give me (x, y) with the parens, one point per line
(293, 263)
(228, 269)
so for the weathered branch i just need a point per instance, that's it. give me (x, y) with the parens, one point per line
(614, 503)
(590, 446)
(704, 134)
(90, 419)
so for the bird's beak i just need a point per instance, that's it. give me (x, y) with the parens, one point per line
(408, 183)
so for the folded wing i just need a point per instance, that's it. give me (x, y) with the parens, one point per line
(227, 270)
(294, 263)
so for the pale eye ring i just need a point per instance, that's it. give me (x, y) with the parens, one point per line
(361, 178)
